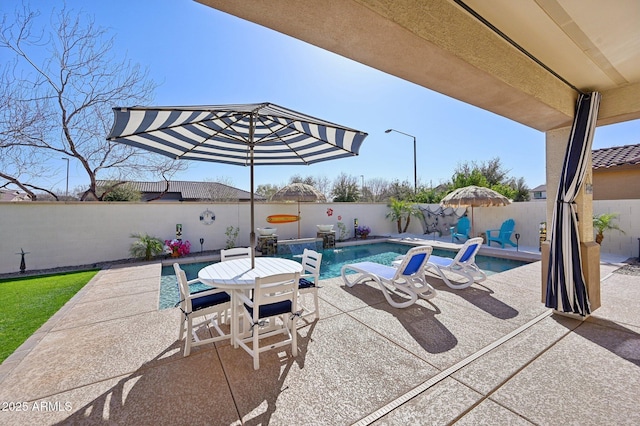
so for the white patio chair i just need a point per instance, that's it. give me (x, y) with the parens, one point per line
(214, 302)
(407, 278)
(235, 253)
(462, 264)
(275, 297)
(309, 279)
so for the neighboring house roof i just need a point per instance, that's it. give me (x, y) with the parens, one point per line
(188, 191)
(6, 195)
(539, 188)
(616, 156)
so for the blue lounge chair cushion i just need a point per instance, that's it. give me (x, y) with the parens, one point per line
(407, 278)
(462, 264)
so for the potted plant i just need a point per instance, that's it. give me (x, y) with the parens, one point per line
(604, 222)
(363, 231)
(146, 246)
(178, 248)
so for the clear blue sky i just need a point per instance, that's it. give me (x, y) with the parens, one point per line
(199, 55)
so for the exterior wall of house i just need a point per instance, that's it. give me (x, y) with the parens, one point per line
(81, 233)
(616, 183)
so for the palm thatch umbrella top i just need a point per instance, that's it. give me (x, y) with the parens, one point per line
(299, 192)
(474, 196)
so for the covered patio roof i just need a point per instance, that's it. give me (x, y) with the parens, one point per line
(455, 47)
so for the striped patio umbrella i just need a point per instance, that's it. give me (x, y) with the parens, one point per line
(566, 288)
(245, 135)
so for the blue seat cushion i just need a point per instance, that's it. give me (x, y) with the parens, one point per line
(210, 300)
(271, 309)
(305, 283)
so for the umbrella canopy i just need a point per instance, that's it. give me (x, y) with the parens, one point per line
(299, 192)
(474, 196)
(245, 135)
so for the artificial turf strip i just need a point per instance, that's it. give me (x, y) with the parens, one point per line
(28, 302)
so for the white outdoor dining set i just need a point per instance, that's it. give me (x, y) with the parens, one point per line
(258, 296)
(257, 302)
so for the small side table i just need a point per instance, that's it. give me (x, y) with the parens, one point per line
(268, 244)
(328, 239)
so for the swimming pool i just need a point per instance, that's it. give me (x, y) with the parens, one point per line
(332, 262)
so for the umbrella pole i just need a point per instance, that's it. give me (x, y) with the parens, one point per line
(252, 234)
(298, 218)
(473, 229)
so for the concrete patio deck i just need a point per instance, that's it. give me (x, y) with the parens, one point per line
(489, 354)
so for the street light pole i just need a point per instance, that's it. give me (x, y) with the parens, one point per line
(67, 191)
(415, 161)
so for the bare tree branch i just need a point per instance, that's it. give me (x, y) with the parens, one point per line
(62, 105)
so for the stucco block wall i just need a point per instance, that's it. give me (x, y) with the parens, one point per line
(616, 184)
(75, 233)
(81, 233)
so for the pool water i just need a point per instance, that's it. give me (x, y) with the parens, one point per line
(332, 262)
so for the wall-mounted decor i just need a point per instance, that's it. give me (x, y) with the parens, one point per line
(207, 217)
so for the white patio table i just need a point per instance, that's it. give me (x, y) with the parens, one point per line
(237, 276)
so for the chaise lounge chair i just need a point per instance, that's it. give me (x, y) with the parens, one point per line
(407, 278)
(463, 227)
(462, 264)
(503, 235)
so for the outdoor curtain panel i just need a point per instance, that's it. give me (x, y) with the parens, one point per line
(566, 288)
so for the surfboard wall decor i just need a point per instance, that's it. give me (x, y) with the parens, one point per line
(283, 218)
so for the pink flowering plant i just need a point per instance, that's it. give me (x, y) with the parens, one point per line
(178, 246)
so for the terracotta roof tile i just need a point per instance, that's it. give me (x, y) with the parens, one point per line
(616, 156)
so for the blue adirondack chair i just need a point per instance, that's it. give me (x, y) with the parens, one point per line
(464, 227)
(502, 235)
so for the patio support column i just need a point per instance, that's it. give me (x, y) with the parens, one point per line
(556, 146)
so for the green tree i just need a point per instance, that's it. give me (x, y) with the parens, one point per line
(400, 190)
(119, 191)
(431, 195)
(308, 180)
(521, 189)
(474, 177)
(345, 189)
(267, 190)
(490, 174)
(402, 210)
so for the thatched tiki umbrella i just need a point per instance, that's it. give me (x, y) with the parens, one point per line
(474, 196)
(300, 192)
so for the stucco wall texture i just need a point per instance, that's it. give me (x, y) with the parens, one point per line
(77, 233)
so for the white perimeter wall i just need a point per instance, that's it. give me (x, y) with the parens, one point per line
(80, 233)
